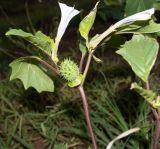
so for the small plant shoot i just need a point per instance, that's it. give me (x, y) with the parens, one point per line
(140, 52)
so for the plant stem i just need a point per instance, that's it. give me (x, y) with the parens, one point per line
(87, 116)
(83, 95)
(102, 36)
(54, 70)
(156, 137)
(7, 53)
(29, 18)
(156, 114)
(82, 62)
(87, 66)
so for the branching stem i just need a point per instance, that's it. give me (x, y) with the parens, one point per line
(84, 98)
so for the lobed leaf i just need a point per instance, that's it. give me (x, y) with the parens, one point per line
(31, 74)
(40, 40)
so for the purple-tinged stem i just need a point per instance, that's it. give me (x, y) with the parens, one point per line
(87, 116)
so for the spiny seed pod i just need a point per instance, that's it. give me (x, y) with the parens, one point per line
(69, 70)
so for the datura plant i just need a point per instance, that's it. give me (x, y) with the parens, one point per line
(140, 52)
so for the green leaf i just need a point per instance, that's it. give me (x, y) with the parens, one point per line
(141, 27)
(152, 27)
(131, 27)
(82, 48)
(156, 103)
(94, 41)
(96, 59)
(112, 2)
(19, 32)
(43, 42)
(31, 74)
(141, 53)
(76, 82)
(40, 40)
(114, 41)
(135, 6)
(157, 5)
(87, 23)
(148, 95)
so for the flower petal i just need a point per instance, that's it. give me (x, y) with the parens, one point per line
(67, 13)
(141, 16)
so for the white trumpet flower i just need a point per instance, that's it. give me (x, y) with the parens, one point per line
(67, 13)
(141, 16)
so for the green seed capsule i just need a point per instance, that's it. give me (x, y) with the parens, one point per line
(69, 70)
